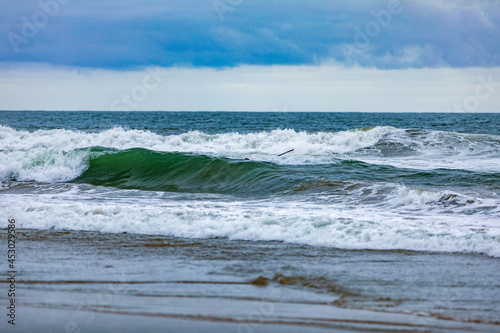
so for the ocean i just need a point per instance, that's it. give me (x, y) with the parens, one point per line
(392, 213)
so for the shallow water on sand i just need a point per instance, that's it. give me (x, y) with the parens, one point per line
(144, 274)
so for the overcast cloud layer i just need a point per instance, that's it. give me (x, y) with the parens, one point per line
(252, 88)
(122, 34)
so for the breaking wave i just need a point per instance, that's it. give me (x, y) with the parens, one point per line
(410, 148)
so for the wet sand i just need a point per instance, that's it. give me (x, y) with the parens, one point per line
(289, 318)
(93, 282)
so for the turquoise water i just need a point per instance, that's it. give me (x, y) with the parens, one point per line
(356, 186)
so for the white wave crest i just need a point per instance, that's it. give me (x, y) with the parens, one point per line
(42, 165)
(273, 142)
(415, 149)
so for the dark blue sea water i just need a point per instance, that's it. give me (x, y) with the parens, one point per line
(356, 185)
(246, 122)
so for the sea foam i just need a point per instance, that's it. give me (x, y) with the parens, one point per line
(362, 227)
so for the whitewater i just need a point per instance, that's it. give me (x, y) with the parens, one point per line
(44, 154)
(375, 187)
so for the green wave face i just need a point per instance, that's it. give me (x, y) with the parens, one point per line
(143, 169)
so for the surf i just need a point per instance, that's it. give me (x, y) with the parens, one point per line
(384, 145)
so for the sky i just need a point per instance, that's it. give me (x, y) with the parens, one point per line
(251, 55)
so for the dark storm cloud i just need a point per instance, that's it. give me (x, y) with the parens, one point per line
(130, 34)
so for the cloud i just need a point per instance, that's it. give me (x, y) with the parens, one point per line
(251, 88)
(125, 35)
